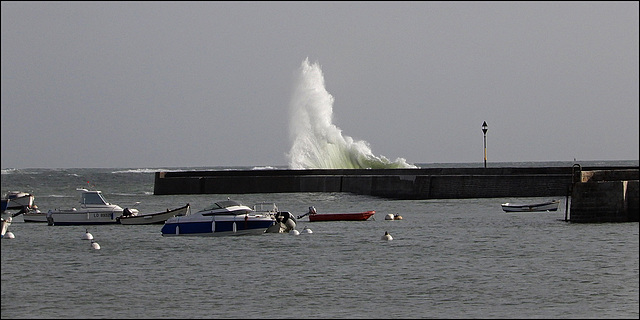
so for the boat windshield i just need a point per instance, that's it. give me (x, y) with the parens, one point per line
(93, 198)
(265, 207)
(222, 204)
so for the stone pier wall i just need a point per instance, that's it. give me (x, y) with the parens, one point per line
(423, 183)
(605, 196)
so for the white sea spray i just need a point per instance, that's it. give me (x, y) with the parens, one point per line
(316, 142)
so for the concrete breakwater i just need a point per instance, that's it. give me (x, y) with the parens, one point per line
(421, 183)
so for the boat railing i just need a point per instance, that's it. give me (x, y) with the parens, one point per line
(265, 207)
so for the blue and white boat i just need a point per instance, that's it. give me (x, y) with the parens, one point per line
(227, 217)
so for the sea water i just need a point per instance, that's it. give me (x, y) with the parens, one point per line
(458, 258)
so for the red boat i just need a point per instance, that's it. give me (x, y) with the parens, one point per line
(359, 216)
(315, 216)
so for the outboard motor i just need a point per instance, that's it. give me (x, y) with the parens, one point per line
(312, 210)
(50, 218)
(285, 223)
(287, 220)
(126, 212)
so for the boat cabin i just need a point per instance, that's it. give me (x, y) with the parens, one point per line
(92, 198)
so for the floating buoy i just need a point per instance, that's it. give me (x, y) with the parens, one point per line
(294, 232)
(87, 235)
(387, 236)
(306, 230)
(95, 245)
(9, 235)
(393, 217)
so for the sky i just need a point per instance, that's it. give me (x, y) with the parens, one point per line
(205, 84)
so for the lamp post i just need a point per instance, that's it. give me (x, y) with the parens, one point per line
(484, 131)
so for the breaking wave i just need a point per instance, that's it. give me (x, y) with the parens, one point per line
(316, 142)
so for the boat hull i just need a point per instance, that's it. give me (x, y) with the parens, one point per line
(153, 218)
(536, 207)
(218, 226)
(74, 218)
(35, 217)
(359, 216)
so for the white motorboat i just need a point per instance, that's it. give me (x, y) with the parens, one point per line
(93, 209)
(227, 217)
(531, 207)
(17, 200)
(152, 218)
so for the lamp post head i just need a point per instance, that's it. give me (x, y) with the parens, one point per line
(484, 127)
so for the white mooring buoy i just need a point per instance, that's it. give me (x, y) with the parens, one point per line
(87, 235)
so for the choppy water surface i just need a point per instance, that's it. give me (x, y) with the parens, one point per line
(449, 259)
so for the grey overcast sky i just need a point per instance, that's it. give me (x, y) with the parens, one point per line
(193, 84)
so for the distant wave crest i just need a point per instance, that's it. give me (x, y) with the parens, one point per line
(316, 142)
(19, 171)
(145, 170)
